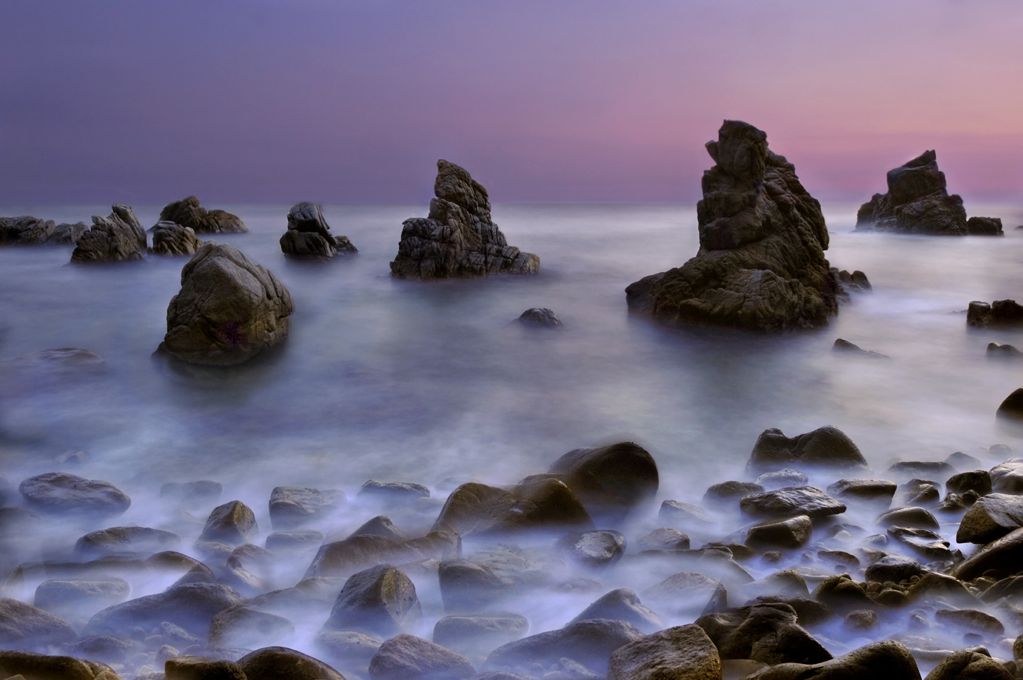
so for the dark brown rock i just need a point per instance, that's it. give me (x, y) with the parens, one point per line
(680, 653)
(824, 447)
(115, 238)
(917, 202)
(189, 213)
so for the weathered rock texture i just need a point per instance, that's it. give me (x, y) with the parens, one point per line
(170, 238)
(761, 263)
(114, 238)
(918, 202)
(228, 310)
(189, 213)
(459, 238)
(31, 231)
(308, 234)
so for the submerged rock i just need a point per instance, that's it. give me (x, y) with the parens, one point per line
(228, 310)
(232, 523)
(24, 666)
(459, 238)
(621, 604)
(917, 202)
(824, 447)
(761, 263)
(170, 238)
(190, 606)
(405, 657)
(540, 317)
(293, 506)
(984, 226)
(25, 626)
(855, 282)
(587, 643)
(276, 663)
(1003, 351)
(768, 633)
(791, 502)
(379, 600)
(62, 493)
(308, 234)
(537, 503)
(1012, 407)
(189, 213)
(843, 346)
(889, 660)
(1000, 313)
(115, 238)
(31, 231)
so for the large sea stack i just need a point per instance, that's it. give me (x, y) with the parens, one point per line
(918, 202)
(228, 310)
(188, 212)
(309, 236)
(459, 238)
(761, 263)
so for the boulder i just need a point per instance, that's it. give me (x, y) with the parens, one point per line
(679, 653)
(380, 526)
(761, 263)
(612, 481)
(170, 238)
(471, 634)
(998, 314)
(190, 606)
(405, 656)
(824, 447)
(348, 651)
(594, 548)
(467, 586)
(126, 541)
(189, 213)
(893, 569)
(379, 600)
(622, 604)
(790, 533)
(200, 668)
(791, 502)
(664, 540)
(889, 660)
(245, 627)
(459, 237)
(587, 643)
(1002, 351)
(228, 310)
(729, 493)
(843, 346)
(1011, 408)
(971, 619)
(115, 238)
(870, 490)
(232, 523)
(969, 664)
(768, 633)
(999, 558)
(539, 317)
(910, 517)
(70, 596)
(275, 663)
(27, 627)
(293, 506)
(1007, 477)
(24, 666)
(357, 553)
(984, 226)
(309, 236)
(293, 540)
(855, 282)
(917, 202)
(539, 502)
(687, 592)
(977, 481)
(30, 231)
(62, 493)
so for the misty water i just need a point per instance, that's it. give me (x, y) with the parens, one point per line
(436, 383)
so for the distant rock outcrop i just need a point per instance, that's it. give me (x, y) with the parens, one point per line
(918, 202)
(189, 213)
(170, 238)
(761, 263)
(1000, 313)
(31, 231)
(228, 310)
(308, 234)
(114, 238)
(459, 238)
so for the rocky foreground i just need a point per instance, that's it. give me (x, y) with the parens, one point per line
(806, 565)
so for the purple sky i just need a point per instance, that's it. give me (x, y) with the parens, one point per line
(548, 100)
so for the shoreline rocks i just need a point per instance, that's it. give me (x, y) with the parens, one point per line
(308, 234)
(188, 212)
(761, 263)
(459, 238)
(1000, 313)
(27, 230)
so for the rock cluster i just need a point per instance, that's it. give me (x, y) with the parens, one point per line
(309, 236)
(459, 237)
(918, 202)
(188, 212)
(761, 263)
(170, 238)
(115, 238)
(229, 309)
(32, 231)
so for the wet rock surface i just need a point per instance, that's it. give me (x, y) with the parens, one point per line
(188, 212)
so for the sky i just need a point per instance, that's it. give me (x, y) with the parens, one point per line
(542, 100)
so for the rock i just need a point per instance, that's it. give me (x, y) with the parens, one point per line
(1001, 558)
(779, 479)
(856, 282)
(232, 523)
(245, 627)
(968, 664)
(680, 513)
(824, 447)
(1007, 477)
(938, 468)
(594, 548)
(1000, 351)
(539, 317)
(984, 226)
(998, 314)
(356, 553)
(126, 541)
(976, 621)
(27, 627)
(864, 490)
(588, 643)
(190, 606)
(173, 239)
(293, 506)
(63, 493)
(479, 633)
(791, 502)
(789, 533)
(24, 666)
(911, 517)
(198, 668)
(538, 503)
(115, 238)
(668, 540)
(347, 650)
(917, 491)
(923, 542)
(393, 492)
(621, 604)
(308, 234)
(459, 238)
(276, 663)
(894, 569)
(611, 481)
(917, 202)
(30, 231)
(69, 597)
(889, 660)
(189, 213)
(842, 346)
(380, 526)
(228, 310)
(469, 586)
(1012, 407)
(293, 540)
(978, 481)
(729, 493)
(201, 491)
(768, 633)
(406, 656)
(687, 592)
(378, 600)
(679, 653)
(841, 593)
(761, 263)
